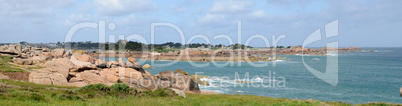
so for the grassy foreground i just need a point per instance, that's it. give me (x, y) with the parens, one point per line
(25, 93)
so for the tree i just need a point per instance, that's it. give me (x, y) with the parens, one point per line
(23, 43)
(59, 44)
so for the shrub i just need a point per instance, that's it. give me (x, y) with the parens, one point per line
(99, 87)
(24, 96)
(121, 88)
(160, 93)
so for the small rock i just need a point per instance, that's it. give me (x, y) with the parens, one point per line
(147, 66)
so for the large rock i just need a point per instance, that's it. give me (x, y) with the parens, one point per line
(101, 63)
(57, 53)
(40, 59)
(110, 75)
(147, 66)
(181, 72)
(86, 58)
(82, 64)
(130, 73)
(57, 67)
(47, 78)
(179, 81)
(197, 78)
(22, 61)
(92, 78)
(132, 63)
(11, 49)
(58, 79)
(4, 76)
(148, 83)
(39, 78)
(114, 71)
(121, 62)
(65, 62)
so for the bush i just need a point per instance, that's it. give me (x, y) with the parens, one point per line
(121, 88)
(160, 93)
(99, 87)
(25, 96)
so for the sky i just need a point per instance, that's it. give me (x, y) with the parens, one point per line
(363, 23)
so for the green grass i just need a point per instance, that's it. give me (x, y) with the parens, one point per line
(6, 67)
(25, 93)
(34, 67)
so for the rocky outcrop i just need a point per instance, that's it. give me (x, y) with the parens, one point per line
(11, 49)
(65, 68)
(147, 66)
(22, 61)
(48, 78)
(197, 78)
(179, 81)
(132, 63)
(57, 67)
(93, 78)
(86, 58)
(40, 59)
(82, 64)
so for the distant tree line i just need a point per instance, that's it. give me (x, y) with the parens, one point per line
(138, 46)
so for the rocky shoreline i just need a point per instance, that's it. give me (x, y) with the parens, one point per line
(78, 68)
(226, 55)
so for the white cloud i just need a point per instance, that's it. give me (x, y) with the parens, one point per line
(32, 11)
(231, 6)
(124, 7)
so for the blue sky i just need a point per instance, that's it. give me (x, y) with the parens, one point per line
(364, 23)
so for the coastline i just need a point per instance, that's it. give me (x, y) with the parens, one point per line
(83, 57)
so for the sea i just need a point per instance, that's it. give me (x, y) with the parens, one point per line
(362, 77)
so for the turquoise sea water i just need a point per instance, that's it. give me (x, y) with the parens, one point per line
(362, 77)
